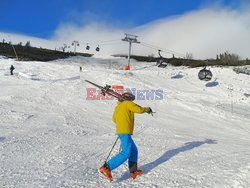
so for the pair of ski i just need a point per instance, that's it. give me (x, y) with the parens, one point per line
(106, 90)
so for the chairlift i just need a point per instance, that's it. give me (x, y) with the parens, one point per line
(87, 47)
(160, 62)
(205, 74)
(97, 48)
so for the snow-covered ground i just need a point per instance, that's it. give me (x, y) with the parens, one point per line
(51, 136)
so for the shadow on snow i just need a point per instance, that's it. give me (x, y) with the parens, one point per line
(247, 94)
(168, 155)
(177, 76)
(212, 84)
(2, 139)
(67, 79)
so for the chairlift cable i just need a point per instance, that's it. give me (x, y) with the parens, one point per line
(162, 49)
(108, 41)
(114, 43)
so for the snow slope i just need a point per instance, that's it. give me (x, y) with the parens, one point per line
(51, 136)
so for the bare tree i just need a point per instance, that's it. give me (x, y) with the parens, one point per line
(227, 58)
(27, 44)
(189, 56)
(64, 47)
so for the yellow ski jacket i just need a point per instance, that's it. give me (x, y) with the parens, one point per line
(123, 116)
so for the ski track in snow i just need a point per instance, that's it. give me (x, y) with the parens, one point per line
(51, 136)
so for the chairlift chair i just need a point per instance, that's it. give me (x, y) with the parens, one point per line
(97, 48)
(205, 74)
(87, 47)
(160, 63)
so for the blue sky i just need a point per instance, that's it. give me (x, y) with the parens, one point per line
(40, 18)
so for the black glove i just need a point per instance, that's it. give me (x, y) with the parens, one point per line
(150, 111)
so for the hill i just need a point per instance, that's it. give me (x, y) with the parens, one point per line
(29, 53)
(52, 136)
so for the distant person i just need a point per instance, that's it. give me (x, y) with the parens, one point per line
(11, 69)
(80, 69)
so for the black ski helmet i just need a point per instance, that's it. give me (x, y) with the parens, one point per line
(128, 96)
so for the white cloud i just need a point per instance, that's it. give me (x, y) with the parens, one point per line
(204, 33)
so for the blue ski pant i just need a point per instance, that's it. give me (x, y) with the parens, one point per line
(129, 151)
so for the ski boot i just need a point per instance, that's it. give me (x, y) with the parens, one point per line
(134, 172)
(133, 175)
(106, 172)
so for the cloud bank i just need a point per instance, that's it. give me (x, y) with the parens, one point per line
(204, 33)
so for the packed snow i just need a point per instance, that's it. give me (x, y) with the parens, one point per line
(51, 136)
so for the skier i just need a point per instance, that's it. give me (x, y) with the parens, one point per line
(11, 69)
(123, 117)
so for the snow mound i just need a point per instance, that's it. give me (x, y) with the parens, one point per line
(29, 76)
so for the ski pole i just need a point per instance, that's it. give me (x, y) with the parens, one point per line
(120, 149)
(152, 113)
(111, 149)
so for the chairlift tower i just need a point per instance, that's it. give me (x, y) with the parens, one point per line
(131, 39)
(75, 43)
(14, 50)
